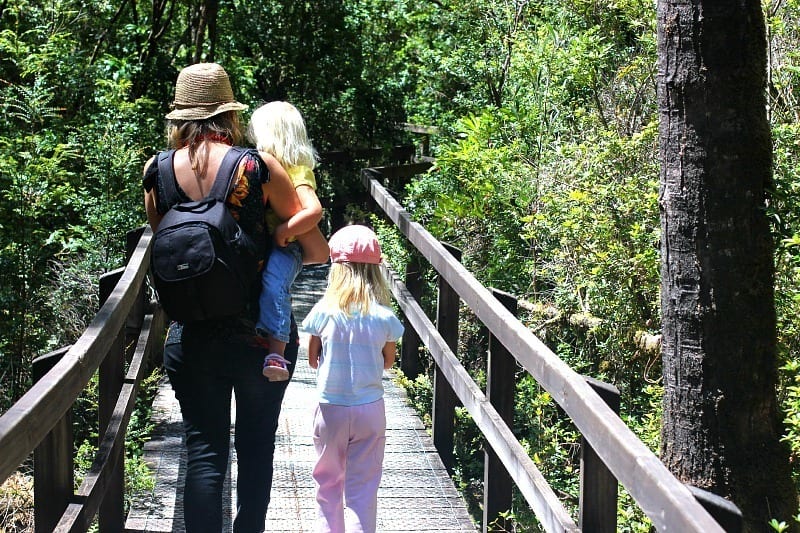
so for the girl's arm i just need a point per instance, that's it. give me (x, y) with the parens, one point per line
(389, 354)
(314, 350)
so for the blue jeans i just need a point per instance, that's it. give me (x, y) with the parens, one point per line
(203, 373)
(275, 303)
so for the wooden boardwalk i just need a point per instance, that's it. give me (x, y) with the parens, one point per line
(416, 494)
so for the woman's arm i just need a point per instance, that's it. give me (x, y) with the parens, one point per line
(314, 350)
(389, 354)
(315, 247)
(279, 190)
(310, 214)
(312, 241)
(304, 221)
(153, 218)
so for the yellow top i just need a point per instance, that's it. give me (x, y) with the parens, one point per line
(300, 175)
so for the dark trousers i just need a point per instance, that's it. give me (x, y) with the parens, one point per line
(203, 373)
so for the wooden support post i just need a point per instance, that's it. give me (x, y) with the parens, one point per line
(726, 513)
(111, 515)
(409, 348)
(500, 391)
(53, 462)
(444, 398)
(598, 497)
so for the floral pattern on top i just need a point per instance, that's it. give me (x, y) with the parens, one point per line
(246, 205)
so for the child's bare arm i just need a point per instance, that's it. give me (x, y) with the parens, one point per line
(389, 354)
(304, 220)
(314, 350)
(315, 247)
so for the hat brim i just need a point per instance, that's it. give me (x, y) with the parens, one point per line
(204, 112)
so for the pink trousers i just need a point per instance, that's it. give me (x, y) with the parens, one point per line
(350, 442)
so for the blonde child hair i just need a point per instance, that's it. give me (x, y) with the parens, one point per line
(352, 287)
(278, 129)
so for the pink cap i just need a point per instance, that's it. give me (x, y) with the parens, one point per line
(355, 244)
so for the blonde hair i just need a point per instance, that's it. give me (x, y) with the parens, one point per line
(195, 133)
(278, 129)
(352, 287)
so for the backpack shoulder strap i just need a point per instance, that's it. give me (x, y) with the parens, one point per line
(227, 171)
(167, 192)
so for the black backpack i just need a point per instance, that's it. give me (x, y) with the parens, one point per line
(203, 264)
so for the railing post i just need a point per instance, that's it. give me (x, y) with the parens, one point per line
(444, 397)
(500, 391)
(726, 513)
(133, 325)
(409, 348)
(53, 462)
(111, 515)
(598, 498)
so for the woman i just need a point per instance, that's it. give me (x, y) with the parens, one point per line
(206, 361)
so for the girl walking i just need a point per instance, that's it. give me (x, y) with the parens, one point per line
(353, 336)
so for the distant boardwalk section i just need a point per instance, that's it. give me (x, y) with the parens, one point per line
(416, 493)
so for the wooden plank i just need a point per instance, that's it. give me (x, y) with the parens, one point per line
(79, 514)
(445, 400)
(53, 464)
(110, 377)
(27, 422)
(664, 499)
(727, 514)
(409, 348)
(501, 392)
(403, 171)
(529, 479)
(598, 494)
(418, 128)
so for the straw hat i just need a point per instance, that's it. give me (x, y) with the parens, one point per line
(202, 91)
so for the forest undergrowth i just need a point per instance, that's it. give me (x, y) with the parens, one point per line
(546, 176)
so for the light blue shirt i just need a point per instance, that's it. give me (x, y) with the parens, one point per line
(351, 364)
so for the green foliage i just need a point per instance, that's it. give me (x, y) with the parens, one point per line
(546, 172)
(420, 394)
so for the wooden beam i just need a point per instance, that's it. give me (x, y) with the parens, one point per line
(597, 511)
(79, 514)
(501, 392)
(445, 400)
(32, 417)
(526, 475)
(53, 463)
(664, 499)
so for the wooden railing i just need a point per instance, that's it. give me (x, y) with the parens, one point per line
(610, 452)
(127, 331)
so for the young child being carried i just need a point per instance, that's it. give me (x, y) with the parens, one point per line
(278, 129)
(353, 338)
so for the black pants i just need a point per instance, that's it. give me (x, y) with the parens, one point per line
(203, 373)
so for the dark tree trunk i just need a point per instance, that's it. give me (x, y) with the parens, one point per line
(204, 22)
(721, 427)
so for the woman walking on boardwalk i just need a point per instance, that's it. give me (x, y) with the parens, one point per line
(208, 360)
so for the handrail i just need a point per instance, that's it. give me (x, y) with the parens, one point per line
(662, 497)
(38, 417)
(523, 471)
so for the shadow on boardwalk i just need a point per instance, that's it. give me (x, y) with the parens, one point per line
(416, 493)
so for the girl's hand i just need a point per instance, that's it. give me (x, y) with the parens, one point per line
(282, 234)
